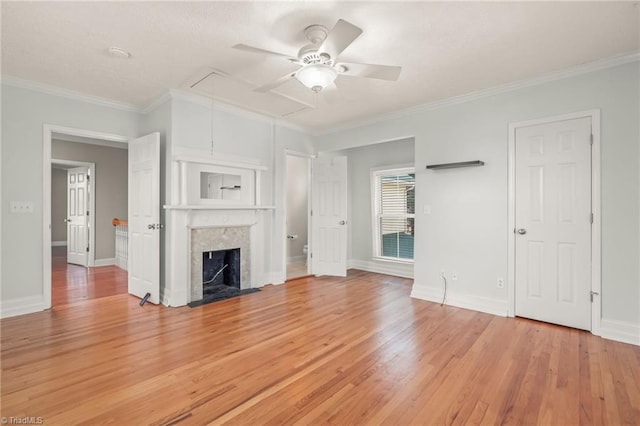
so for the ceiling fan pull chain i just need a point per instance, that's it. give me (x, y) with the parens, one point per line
(212, 126)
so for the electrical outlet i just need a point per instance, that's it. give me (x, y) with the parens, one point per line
(21, 207)
(454, 276)
(500, 283)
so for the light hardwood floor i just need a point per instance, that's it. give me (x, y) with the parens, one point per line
(72, 283)
(355, 350)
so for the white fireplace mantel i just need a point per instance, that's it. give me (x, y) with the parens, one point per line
(183, 219)
(222, 207)
(190, 211)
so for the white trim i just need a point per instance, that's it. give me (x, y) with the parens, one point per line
(596, 229)
(77, 139)
(161, 100)
(620, 331)
(69, 94)
(219, 162)
(58, 243)
(92, 202)
(466, 301)
(396, 269)
(509, 87)
(21, 306)
(47, 133)
(105, 262)
(214, 207)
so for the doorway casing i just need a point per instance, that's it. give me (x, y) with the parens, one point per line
(596, 229)
(47, 135)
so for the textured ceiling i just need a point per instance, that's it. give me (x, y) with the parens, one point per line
(445, 49)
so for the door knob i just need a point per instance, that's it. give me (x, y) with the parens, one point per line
(342, 222)
(522, 231)
(67, 220)
(151, 226)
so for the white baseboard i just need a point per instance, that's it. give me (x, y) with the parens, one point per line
(404, 270)
(105, 262)
(58, 243)
(620, 331)
(21, 306)
(277, 278)
(460, 300)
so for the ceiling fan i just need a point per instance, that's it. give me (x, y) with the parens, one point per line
(318, 63)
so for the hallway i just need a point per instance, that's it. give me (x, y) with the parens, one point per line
(72, 283)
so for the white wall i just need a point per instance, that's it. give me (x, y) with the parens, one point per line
(467, 228)
(360, 162)
(24, 112)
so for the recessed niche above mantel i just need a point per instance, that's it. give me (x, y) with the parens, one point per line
(210, 183)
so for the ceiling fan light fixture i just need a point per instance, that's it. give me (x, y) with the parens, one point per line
(316, 76)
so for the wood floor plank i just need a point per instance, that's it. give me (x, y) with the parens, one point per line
(354, 350)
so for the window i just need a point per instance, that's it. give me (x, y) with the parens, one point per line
(394, 211)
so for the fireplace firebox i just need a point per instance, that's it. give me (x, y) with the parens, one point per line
(220, 274)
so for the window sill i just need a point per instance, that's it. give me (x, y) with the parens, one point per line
(393, 260)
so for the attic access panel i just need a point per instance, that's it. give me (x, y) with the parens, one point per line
(217, 84)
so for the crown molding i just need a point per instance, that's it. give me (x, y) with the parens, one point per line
(509, 87)
(69, 94)
(161, 100)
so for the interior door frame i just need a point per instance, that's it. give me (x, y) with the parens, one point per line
(91, 256)
(596, 228)
(48, 131)
(310, 158)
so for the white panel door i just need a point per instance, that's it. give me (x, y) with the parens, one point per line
(78, 215)
(553, 222)
(144, 217)
(329, 216)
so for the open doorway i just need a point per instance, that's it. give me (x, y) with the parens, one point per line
(86, 189)
(298, 181)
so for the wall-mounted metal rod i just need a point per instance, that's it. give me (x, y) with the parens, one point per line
(455, 165)
(231, 188)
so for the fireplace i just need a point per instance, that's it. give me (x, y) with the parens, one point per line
(220, 262)
(220, 274)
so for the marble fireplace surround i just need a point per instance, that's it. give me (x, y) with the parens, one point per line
(219, 238)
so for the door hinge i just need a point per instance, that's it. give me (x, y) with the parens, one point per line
(592, 218)
(311, 255)
(591, 138)
(87, 249)
(88, 178)
(87, 212)
(593, 293)
(311, 213)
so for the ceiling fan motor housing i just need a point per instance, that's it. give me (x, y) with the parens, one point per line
(309, 55)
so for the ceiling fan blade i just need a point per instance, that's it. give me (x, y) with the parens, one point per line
(272, 85)
(252, 49)
(381, 72)
(341, 36)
